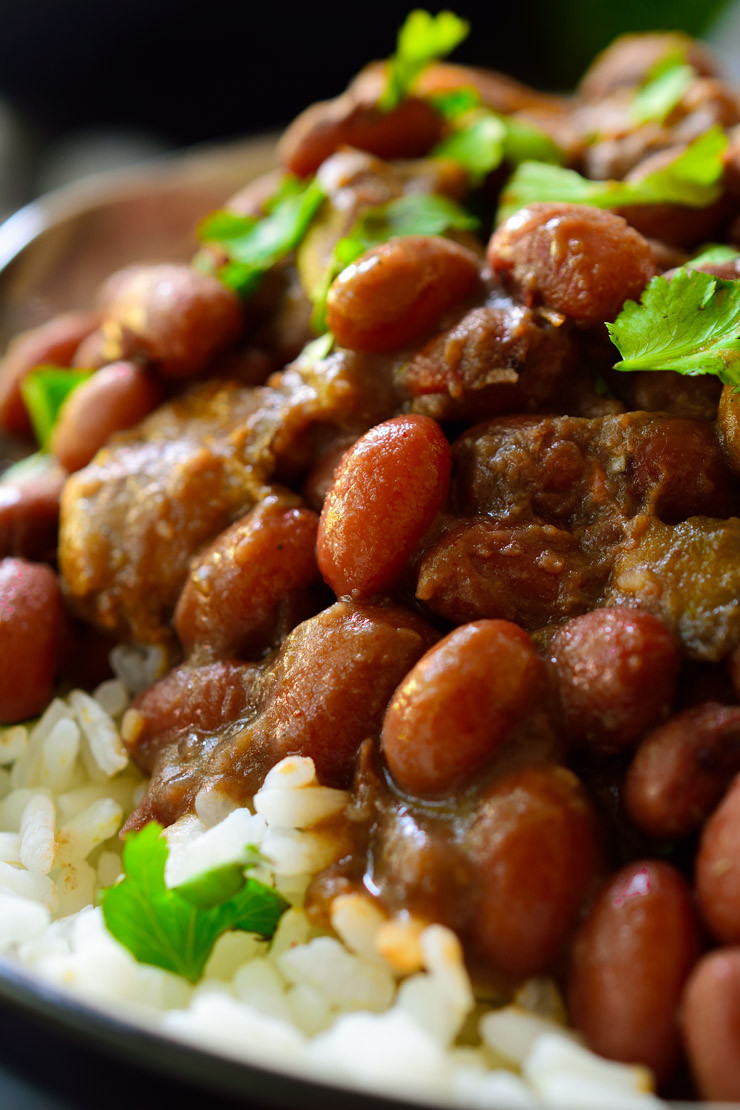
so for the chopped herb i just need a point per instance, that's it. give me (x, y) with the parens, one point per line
(693, 178)
(44, 392)
(485, 139)
(422, 39)
(455, 102)
(663, 91)
(690, 324)
(422, 214)
(253, 245)
(176, 928)
(714, 254)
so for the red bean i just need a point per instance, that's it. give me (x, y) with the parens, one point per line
(711, 1025)
(174, 316)
(616, 675)
(396, 292)
(535, 845)
(728, 426)
(629, 963)
(387, 490)
(54, 342)
(584, 262)
(116, 397)
(29, 511)
(718, 868)
(30, 628)
(629, 59)
(681, 770)
(409, 131)
(458, 704)
(238, 587)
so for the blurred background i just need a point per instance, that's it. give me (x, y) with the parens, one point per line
(87, 85)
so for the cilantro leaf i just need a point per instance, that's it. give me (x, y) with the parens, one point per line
(714, 254)
(484, 139)
(422, 39)
(662, 92)
(253, 245)
(44, 391)
(453, 103)
(166, 928)
(418, 214)
(693, 178)
(690, 324)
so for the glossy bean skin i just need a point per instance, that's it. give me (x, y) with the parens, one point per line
(583, 261)
(386, 491)
(238, 587)
(537, 822)
(615, 673)
(53, 342)
(629, 963)
(29, 512)
(458, 704)
(31, 616)
(396, 292)
(728, 425)
(717, 873)
(711, 1025)
(115, 398)
(682, 768)
(172, 315)
(408, 131)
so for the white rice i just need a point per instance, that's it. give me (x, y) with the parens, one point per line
(383, 1004)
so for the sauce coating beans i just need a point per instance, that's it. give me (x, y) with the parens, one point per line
(718, 868)
(458, 704)
(238, 586)
(396, 292)
(386, 491)
(711, 1024)
(536, 822)
(630, 961)
(616, 675)
(582, 261)
(115, 398)
(174, 316)
(30, 630)
(681, 770)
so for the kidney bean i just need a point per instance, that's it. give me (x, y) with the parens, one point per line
(583, 261)
(30, 627)
(396, 292)
(630, 58)
(53, 342)
(681, 770)
(728, 426)
(711, 1025)
(387, 490)
(535, 845)
(239, 585)
(615, 674)
(408, 131)
(458, 704)
(172, 315)
(29, 511)
(679, 472)
(676, 224)
(629, 964)
(116, 397)
(718, 868)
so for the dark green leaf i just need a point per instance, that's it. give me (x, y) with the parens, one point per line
(44, 392)
(252, 245)
(690, 324)
(163, 927)
(422, 39)
(693, 179)
(418, 214)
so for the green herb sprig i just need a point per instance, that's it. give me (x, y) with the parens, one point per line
(422, 39)
(44, 391)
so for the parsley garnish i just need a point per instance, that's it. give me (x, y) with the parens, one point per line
(422, 39)
(254, 245)
(694, 178)
(419, 214)
(484, 139)
(663, 90)
(44, 391)
(176, 928)
(690, 324)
